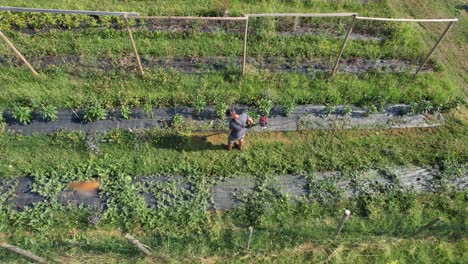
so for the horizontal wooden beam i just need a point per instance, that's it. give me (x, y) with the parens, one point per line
(303, 15)
(408, 19)
(72, 12)
(190, 18)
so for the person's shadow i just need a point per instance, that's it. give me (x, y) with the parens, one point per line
(182, 142)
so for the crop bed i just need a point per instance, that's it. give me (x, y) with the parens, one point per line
(211, 64)
(228, 193)
(306, 117)
(156, 143)
(183, 57)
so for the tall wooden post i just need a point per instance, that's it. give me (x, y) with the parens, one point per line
(244, 59)
(344, 45)
(22, 58)
(435, 47)
(130, 34)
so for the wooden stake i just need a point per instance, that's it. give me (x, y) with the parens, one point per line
(435, 46)
(22, 58)
(345, 217)
(344, 45)
(22, 252)
(250, 237)
(142, 247)
(245, 45)
(130, 34)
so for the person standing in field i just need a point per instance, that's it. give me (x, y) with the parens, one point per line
(237, 125)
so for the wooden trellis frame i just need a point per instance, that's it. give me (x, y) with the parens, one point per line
(442, 36)
(354, 15)
(244, 18)
(56, 11)
(135, 15)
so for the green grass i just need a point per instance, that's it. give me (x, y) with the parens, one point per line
(301, 233)
(198, 7)
(115, 43)
(384, 221)
(155, 152)
(72, 85)
(164, 88)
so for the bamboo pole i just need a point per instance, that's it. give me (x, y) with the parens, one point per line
(132, 41)
(302, 15)
(350, 29)
(22, 252)
(408, 19)
(435, 47)
(142, 247)
(191, 18)
(244, 58)
(22, 58)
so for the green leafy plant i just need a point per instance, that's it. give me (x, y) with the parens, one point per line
(49, 112)
(252, 113)
(220, 110)
(125, 111)
(199, 105)
(264, 106)
(148, 109)
(177, 121)
(347, 110)
(22, 114)
(328, 110)
(371, 109)
(288, 107)
(94, 113)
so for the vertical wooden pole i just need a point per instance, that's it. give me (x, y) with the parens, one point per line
(22, 58)
(350, 29)
(245, 45)
(435, 47)
(130, 34)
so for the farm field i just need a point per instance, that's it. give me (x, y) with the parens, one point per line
(86, 65)
(85, 61)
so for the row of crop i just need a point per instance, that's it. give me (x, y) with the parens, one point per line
(403, 44)
(169, 150)
(76, 88)
(49, 113)
(34, 21)
(175, 204)
(21, 21)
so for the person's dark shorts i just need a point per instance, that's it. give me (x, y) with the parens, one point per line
(232, 140)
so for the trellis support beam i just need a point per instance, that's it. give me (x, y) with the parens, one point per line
(135, 51)
(22, 58)
(435, 47)
(350, 29)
